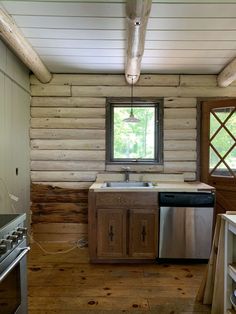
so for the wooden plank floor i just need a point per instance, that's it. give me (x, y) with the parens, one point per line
(67, 283)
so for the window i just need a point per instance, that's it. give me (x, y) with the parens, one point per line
(129, 142)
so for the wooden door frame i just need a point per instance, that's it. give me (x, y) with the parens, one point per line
(204, 137)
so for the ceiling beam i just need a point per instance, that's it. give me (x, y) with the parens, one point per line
(137, 13)
(227, 75)
(17, 42)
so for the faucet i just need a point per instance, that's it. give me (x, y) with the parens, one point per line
(127, 171)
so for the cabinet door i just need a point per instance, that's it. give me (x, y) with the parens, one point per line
(111, 233)
(143, 233)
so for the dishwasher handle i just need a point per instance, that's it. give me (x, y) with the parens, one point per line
(187, 199)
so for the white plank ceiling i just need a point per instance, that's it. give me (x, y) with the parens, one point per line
(194, 37)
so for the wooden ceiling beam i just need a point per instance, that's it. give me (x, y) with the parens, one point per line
(227, 75)
(137, 13)
(17, 42)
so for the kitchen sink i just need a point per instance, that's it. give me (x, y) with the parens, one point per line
(128, 184)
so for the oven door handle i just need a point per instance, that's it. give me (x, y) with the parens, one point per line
(24, 250)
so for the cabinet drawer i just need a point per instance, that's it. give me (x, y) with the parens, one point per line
(126, 200)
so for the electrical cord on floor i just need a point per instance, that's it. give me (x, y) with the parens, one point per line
(79, 244)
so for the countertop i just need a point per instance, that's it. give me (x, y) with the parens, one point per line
(158, 187)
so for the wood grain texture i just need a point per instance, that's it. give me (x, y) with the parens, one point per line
(66, 134)
(76, 102)
(198, 80)
(179, 113)
(94, 144)
(67, 165)
(67, 155)
(109, 80)
(137, 14)
(67, 112)
(178, 102)
(22, 48)
(85, 288)
(177, 145)
(172, 124)
(153, 91)
(67, 176)
(67, 123)
(58, 205)
(50, 90)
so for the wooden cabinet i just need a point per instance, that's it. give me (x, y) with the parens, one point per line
(122, 226)
(229, 261)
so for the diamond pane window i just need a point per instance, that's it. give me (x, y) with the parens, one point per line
(222, 171)
(214, 125)
(223, 113)
(231, 159)
(222, 142)
(214, 159)
(222, 150)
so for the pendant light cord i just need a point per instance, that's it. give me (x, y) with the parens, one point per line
(132, 93)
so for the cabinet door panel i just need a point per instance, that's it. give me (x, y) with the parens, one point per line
(111, 233)
(143, 233)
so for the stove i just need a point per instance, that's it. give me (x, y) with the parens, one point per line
(12, 233)
(13, 268)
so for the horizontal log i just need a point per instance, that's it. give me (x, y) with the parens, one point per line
(50, 90)
(179, 145)
(178, 113)
(68, 165)
(14, 38)
(198, 80)
(110, 80)
(178, 102)
(65, 228)
(66, 134)
(179, 166)
(138, 168)
(68, 112)
(68, 123)
(180, 134)
(68, 144)
(153, 91)
(59, 232)
(171, 124)
(67, 155)
(68, 185)
(68, 102)
(69, 176)
(179, 155)
(59, 208)
(47, 218)
(47, 193)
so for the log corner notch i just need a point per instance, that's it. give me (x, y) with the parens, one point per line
(22, 48)
(137, 13)
(227, 75)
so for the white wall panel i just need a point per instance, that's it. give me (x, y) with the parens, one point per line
(14, 138)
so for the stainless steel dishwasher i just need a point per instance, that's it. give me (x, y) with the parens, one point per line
(186, 222)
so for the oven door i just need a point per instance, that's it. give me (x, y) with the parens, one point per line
(13, 281)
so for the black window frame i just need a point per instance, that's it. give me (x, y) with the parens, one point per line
(157, 103)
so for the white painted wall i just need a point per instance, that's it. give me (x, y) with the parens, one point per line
(14, 134)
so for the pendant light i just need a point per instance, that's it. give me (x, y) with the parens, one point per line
(131, 117)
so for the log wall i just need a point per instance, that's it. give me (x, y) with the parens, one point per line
(68, 133)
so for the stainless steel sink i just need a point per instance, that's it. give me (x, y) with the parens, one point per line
(129, 184)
